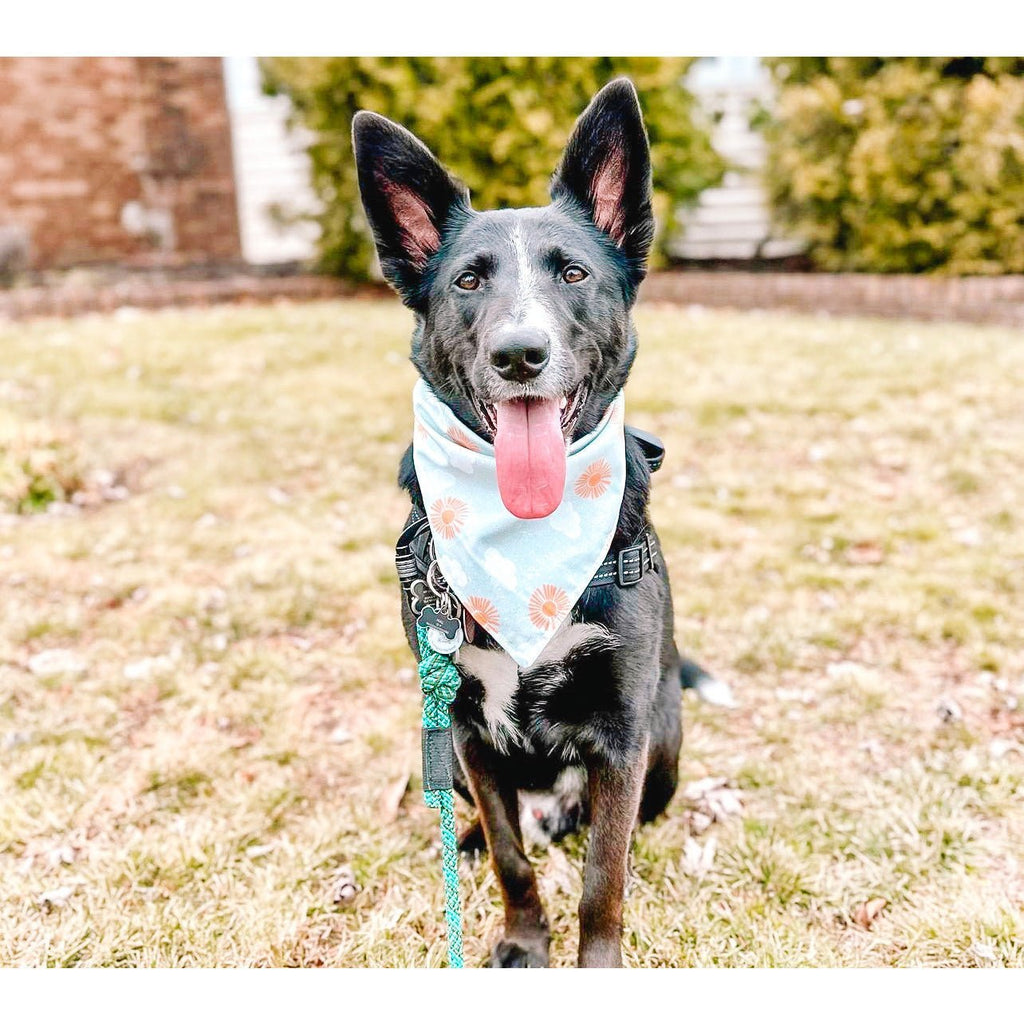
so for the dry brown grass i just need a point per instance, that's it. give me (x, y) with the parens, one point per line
(205, 696)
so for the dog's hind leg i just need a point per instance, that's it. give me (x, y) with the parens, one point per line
(663, 758)
(527, 936)
(472, 840)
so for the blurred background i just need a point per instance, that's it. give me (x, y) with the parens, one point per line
(863, 164)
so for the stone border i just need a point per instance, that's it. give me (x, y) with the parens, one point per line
(985, 300)
(143, 291)
(982, 300)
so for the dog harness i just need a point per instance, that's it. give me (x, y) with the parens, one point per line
(427, 578)
(519, 579)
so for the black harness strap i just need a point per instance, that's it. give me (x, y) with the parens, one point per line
(628, 566)
(624, 568)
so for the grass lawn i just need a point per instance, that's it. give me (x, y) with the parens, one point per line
(208, 714)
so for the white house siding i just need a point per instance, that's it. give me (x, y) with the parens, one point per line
(272, 172)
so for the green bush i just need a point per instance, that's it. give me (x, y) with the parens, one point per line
(38, 466)
(901, 164)
(498, 122)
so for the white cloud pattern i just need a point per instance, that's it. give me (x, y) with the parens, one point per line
(501, 568)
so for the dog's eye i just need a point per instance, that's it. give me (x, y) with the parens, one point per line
(573, 274)
(468, 281)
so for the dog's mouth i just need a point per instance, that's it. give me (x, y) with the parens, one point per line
(531, 435)
(570, 406)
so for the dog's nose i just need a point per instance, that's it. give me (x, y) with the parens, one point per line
(521, 354)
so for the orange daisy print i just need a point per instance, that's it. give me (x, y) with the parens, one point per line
(461, 438)
(484, 612)
(594, 480)
(548, 606)
(448, 516)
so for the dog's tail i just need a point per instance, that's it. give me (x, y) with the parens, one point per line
(708, 688)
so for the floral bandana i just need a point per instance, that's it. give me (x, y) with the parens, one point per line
(518, 578)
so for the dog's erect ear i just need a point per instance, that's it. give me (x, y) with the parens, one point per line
(408, 197)
(606, 168)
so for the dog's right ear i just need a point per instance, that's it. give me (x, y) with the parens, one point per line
(606, 170)
(408, 197)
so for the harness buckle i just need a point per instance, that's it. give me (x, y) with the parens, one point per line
(630, 569)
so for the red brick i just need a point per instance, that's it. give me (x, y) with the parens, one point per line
(83, 136)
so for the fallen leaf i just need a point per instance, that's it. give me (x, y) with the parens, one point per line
(391, 798)
(970, 537)
(146, 667)
(715, 797)
(54, 898)
(699, 823)
(245, 737)
(14, 739)
(56, 661)
(559, 875)
(865, 552)
(866, 913)
(983, 951)
(60, 855)
(697, 859)
(851, 672)
(343, 885)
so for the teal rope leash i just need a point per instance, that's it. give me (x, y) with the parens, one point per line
(439, 681)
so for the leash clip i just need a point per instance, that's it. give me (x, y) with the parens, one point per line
(442, 623)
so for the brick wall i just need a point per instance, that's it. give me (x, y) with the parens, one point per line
(116, 159)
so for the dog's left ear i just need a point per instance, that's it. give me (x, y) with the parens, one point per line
(408, 198)
(606, 168)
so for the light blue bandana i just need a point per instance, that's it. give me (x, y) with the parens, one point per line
(518, 578)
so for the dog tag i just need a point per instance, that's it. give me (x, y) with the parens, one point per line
(442, 644)
(444, 634)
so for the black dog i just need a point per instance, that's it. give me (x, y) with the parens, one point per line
(533, 305)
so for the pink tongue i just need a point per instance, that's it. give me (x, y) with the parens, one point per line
(530, 452)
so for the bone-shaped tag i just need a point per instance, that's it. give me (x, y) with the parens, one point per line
(444, 634)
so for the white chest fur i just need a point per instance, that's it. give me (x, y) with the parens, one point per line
(499, 676)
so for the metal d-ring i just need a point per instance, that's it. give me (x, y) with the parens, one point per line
(446, 602)
(418, 601)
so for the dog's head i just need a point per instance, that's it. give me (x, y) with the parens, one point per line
(523, 316)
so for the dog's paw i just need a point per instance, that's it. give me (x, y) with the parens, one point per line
(472, 842)
(508, 953)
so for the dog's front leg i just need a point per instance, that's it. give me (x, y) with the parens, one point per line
(527, 936)
(615, 790)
